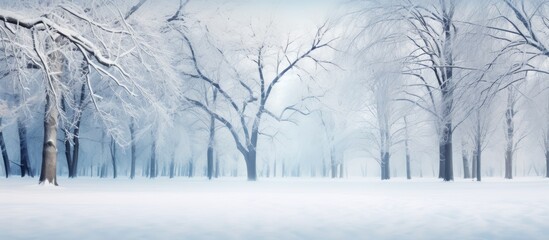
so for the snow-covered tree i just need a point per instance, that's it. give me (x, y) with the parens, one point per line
(247, 79)
(60, 38)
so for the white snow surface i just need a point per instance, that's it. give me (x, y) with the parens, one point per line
(181, 208)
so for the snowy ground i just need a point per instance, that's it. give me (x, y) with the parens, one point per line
(274, 209)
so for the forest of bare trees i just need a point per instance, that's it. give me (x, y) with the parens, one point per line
(403, 88)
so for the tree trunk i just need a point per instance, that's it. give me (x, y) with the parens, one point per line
(509, 134)
(24, 152)
(210, 153)
(333, 162)
(341, 169)
(216, 175)
(478, 161)
(49, 151)
(509, 163)
(386, 167)
(407, 150)
(442, 161)
(251, 155)
(76, 131)
(51, 115)
(448, 155)
(466, 170)
(4, 151)
(152, 168)
(251, 169)
(191, 168)
(66, 140)
(447, 92)
(172, 166)
(113, 158)
(547, 163)
(408, 172)
(274, 168)
(132, 135)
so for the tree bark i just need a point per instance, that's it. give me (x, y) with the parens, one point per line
(466, 170)
(448, 158)
(441, 154)
(24, 152)
(474, 165)
(341, 169)
(76, 131)
(66, 140)
(385, 166)
(152, 168)
(4, 150)
(407, 150)
(478, 157)
(217, 174)
(113, 158)
(509, 134)
(333, 162)
(210, 153)
(251, 169)
(547, 163)
(133, 156)
(49, 151)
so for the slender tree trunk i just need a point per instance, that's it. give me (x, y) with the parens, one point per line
(216, 175)
(408, 172)
(76, 131)
(324, 167)
(509, 163)
(547, 163)
(510, 132)
(152, 168)
(172, 166)
(4, 150)
(466, 170)
(333, 162)
(386, 166)
(274, 168)
(210, 153)
(24, 152)
(478, 156)
(191, 168)
(66, 140)
(133, 156)
(341, 169)
(113, 158)
(407, 150)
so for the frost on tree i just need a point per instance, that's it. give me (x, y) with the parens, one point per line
(245, 97)
(54, 39)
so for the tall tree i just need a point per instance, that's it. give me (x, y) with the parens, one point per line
(53, 43)
(245, 113)
(428, 34)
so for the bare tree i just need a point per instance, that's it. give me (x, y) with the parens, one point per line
(50, 42)
(428, 33)
(244, 114)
